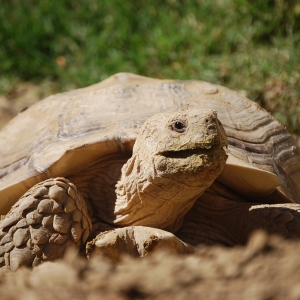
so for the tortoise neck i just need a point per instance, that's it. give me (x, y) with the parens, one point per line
(145, 199)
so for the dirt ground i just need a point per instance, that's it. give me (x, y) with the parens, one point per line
(267, 268)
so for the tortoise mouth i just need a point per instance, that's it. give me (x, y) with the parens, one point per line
(185, 153)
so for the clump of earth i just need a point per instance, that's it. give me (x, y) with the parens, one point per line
(266, 268)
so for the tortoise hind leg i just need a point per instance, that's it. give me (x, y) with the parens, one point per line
(46, 220)
(220, 216)
(282, 219)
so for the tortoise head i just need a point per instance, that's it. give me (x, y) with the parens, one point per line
(175, 158)
(187, 146)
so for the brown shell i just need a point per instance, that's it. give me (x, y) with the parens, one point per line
(63, 133)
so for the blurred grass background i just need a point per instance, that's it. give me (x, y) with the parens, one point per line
(252, 46)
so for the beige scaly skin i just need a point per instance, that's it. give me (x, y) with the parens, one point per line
(175, 159)
(165, 197)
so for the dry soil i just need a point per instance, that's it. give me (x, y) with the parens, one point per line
(267, 268)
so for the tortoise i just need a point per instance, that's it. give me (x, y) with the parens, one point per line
(135, 164)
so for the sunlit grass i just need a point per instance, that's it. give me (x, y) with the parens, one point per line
(249, 46)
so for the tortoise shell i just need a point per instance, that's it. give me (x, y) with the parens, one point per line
(64, 133)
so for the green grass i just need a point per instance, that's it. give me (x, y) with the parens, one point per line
(249, 46)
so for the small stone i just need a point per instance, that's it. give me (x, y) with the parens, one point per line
(48, 182)
(69, 205)
(47, 220)
(76, 231)
(27, 203)
(37, 249)
(34, 217)
(49, 206)
(22, 223)
(57, 238)
(20, 257)
(21, 236)
(45, 206)
(61, 182)
(6, 239)
(29, 244)
(41, 191)
(62, 222)
(57, 193)
(6, 248)
(11, 220)
(12, 230)
(39, 234)
(72, 193)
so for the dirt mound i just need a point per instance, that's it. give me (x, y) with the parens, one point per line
(267, 268)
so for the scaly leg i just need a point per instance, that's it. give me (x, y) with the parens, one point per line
(137, 241)
(46, 220)
(220, 216)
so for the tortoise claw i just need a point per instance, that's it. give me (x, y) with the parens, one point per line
(136, 241)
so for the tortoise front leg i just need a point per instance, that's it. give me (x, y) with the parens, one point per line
(137, 241)
(222, 217)
(46, 220)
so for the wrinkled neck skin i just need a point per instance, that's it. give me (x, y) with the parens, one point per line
(145, 199)
(169, 169)
(147, 196)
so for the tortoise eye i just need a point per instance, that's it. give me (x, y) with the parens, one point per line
(179, 126)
